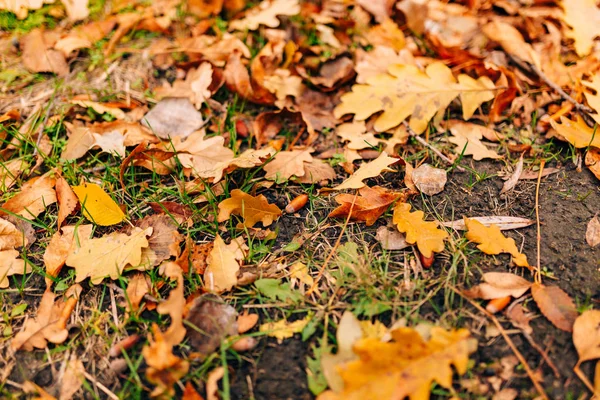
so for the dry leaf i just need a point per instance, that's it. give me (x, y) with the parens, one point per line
(212, 383)
(514, 178)
(405, 90)
(108, 256)
(38, 55)
(221, 272)
(80, 141)
(195, 88)
(368, 170)
(72, 378)
(97, 206)
(252, 209)
(592, 160)
(426, 234)
(556, 305)
(100, 108)
(577, 132)
(10, 264)
(266, 14)
(10, 172)
(286, 164)
(37, 194)
(283, 329)
(511, 41)
(211, 320)
(139, 285)
(207, 158)
(492, 241)
(504, 223)
(367, 207)
(583, 16)
(164, 241)
(67, 200)
(519, 318)
(467, 137)
(428, 179)
(173, 117)
(10, 236)
(164, 368)
(499, 284)
(174, 305)
(355, 134)
(586, 335)
(391, 239)
(405, 367)
(190, 393)
(317, 171)
(592, 233)
(61, 245)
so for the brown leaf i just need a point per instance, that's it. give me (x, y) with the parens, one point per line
(237, 79)
(38, 55)
(391, 239)
(586, 335)
(67, 201)
(173, 117)
(37, 194)
(592, 160)
(179, 211)
(139, 285)
(265, 14)
(190, 393)
(72, 378)
(165, 239)
(194, 257)
(10, 264)
(286, 164)
(556, 305)
(221, 273)
(499, 284)
(332, 73)
(592, 233)
(317, 171)
(10, 236)
(252, 209)
(514, 178)
(429, 180)
(512, 41)
(174, 305)
(518, 317)
(367, 207)
(211, 321)
(196, 88)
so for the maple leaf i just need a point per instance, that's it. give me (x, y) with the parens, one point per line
(405, 367)
(426, 234)
(368, 170)
(164, 368)
(37, 194)
(10, 264)
(405, 90)
(577, 132)
(286, 164)
(467, 137)
(492, 241)
(252, 209)
(108, 256)
(583, 16)
(221, 272)
(266, 14)
(97, 206)
(367, 207)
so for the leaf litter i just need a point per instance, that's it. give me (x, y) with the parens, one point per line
(160, 166)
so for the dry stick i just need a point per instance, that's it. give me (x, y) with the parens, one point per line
(333, 249)
(585, 379)
(543, 353)
(509, 341)
(430, 147)
(538, 271)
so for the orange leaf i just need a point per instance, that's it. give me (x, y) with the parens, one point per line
(67, 201)
(367, 207)
(498, 285)
(586, 335)
(37, 194)
(426, 234)
(252, 209)
(556, 305)
(492, 241)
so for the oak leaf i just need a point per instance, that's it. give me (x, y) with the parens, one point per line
(108, 256)
(577, 132)
(195, 87)
(367, 207)
(286, 164)
(61, 245)
(593, 99)
(10, 264)
(266, 14)
(405, 90)
(556, 305)
(317, 171)
(491, 241)
(467, 137)
(583, 16)
(368, 170)
(406, 367)
(39, 56)
(426, 234)
(499, 284)
(138, 286)
(586, 335)
(97, 206)
(355, 133)
(205, 157)
(252, 209)
(511, 41)
(37, 194)
(283, 329)
(221, 273)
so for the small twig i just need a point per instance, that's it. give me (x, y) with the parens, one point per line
(508, 340)
(543, 353)
(538, 271)
(100, 386)
(433, 149)
(585, 379)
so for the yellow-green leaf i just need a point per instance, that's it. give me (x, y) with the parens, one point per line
(98, 206)
(426, 234)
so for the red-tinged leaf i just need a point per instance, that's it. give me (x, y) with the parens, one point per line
(556, 305)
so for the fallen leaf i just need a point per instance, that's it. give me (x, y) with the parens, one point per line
(79, 142)
(38, 55)
(252, 209)
(100, 108)
(317, 171)
(504, 223)
(72, 378)
(164, 368)
(332, 73)
(61, 245)
(173, 117)
(195, 88)
(519, 318)
(556, 305)
(586, 335)
(368, 170)
(190, 393)
(33, 199)
(367, 207)
(286, 164)
(266, 13)
(514, 178)
(164, 241)
(429, 180)
(238, 80)
(426, 234)
(174, 305)
(246, 321)
(592, 233)
(583, 17)
(492, 241)
(577, 132)
(405, 90)
(391, 239)
(499, 284)
(97, 206)
(108, 256)
(67, 200)
(212, 383)
(467, 137)
(10, 171)
(10, 236)
(355, 133)
(283, 329)
(211, 320)
(405, 367)
(592, 160)
(10, 264)
(221, 273)
(378, 60)
(205, 157)
(139, 285)
(512, 41)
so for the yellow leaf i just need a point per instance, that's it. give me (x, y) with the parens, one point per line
(577, 132)
(108, 256)
(252, 209)
(583, 16)
(61, 245)
(468, 136)
(593, 99)
(405, 90)
(221, 273)
(405, 367)
(368, 170)
(97, 205)
(426, 234)
(492, 241)
(282, 329)
(266, 14)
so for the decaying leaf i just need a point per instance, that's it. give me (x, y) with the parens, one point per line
(139, 285)
(405, 90)
(252, 209)
(67, 200)
(556, 305)
(592, 160)
(164, 241)
(72, 378)
(504, 223)
(97, 206)
(512, 181)
(367, 207)
(592, 233)
(391, 239)
(164, 368)
(221, 273)
(195, 88)
(211, 320)
(368, 170)
(173, 117)
(405, 367)
(499, 284)
(426, 234)
(283, 329)
(39, 56)
(10, 236)
(266, 14)
(492, 241)
(429, 180)
(108, 256)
